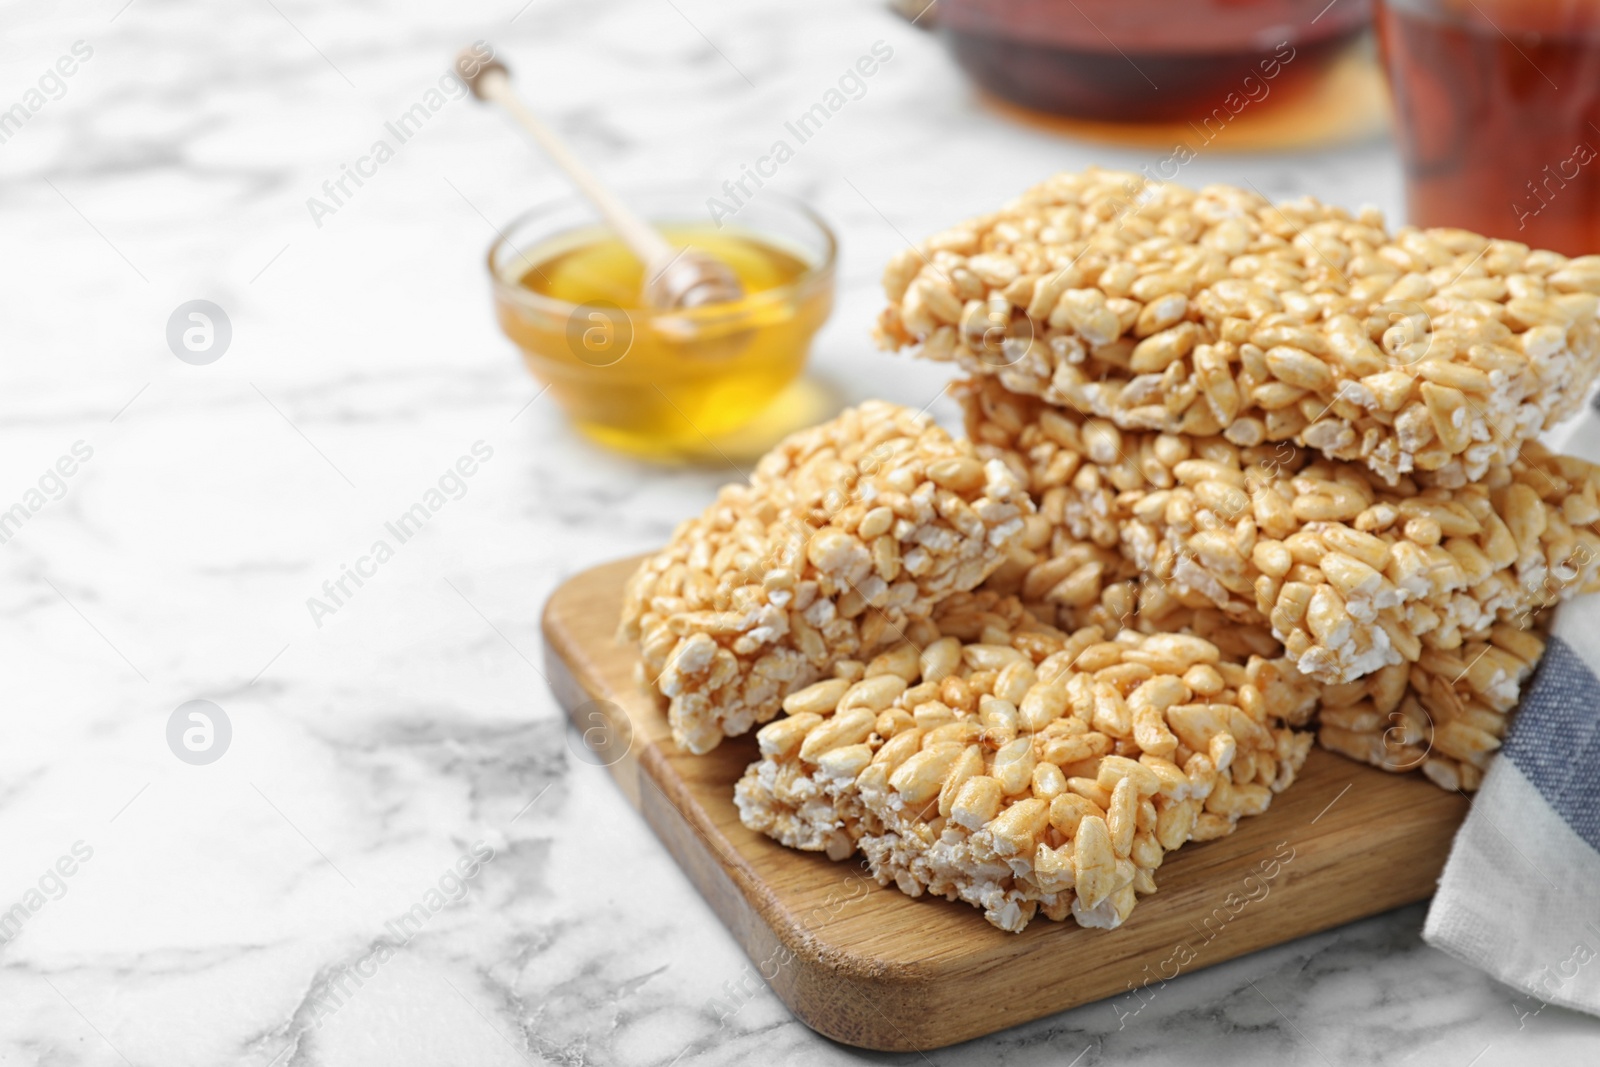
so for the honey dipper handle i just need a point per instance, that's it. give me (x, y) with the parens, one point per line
(492, 83)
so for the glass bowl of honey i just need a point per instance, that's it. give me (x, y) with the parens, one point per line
(663, 383)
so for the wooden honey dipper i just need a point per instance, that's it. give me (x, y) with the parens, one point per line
(676, 278)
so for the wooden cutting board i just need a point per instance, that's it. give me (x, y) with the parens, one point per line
(871, 967)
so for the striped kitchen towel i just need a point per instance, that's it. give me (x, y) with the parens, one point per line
(1520, 895)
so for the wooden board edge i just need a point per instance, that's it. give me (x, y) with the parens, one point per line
(587, 709)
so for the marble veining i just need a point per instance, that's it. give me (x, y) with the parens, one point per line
(399, 859)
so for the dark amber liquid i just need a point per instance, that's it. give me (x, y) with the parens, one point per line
(1130, 61)
(1499, 116)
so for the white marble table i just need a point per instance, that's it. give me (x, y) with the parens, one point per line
(246, 911)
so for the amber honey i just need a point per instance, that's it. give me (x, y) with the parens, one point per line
(653, 382)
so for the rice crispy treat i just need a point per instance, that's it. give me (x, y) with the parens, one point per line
(1164, 309)
(1446, 714)
(1021, 769)
(845, 533)
(1350, 575)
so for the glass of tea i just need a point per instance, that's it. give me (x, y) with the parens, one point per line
(567, 291)
(1499, 116)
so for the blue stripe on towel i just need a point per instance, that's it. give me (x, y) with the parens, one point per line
(1555, 739)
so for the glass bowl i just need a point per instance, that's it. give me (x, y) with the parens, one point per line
(655, 382)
